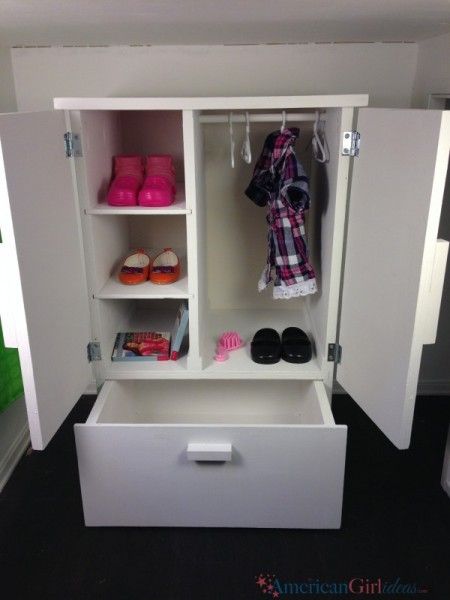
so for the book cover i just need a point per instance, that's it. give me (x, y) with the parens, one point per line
(179, 330)
(141, 346)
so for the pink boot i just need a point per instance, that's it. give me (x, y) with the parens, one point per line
(159, 185)
(128, 177)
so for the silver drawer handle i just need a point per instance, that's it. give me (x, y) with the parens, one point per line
(209, 452)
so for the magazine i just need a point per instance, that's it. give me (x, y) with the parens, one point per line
(179, 330)
(141, 345)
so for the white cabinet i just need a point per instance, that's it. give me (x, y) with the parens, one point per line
(372, 233)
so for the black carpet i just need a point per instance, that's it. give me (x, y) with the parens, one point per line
(396, 525)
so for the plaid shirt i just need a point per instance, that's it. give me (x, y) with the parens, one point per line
(280, 183)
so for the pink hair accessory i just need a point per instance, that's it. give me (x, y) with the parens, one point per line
(229, 340)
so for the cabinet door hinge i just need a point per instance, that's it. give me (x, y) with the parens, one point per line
(93, 351)
(351, 142)
(334, 353)
(72, 144)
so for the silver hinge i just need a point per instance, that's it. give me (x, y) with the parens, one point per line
(350, 143)
(72, 144)
(93, 351)
(334, 353)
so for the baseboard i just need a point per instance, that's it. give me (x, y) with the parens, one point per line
(14, 454)
(91, 389)
(338, 389)
(434, 387)
(429, 387)
(445, 480)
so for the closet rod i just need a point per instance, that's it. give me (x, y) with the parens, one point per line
(259, 118)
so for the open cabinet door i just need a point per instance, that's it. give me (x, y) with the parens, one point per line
(47, 316)
(394, 265)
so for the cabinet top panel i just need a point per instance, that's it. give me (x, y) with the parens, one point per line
(214, 103)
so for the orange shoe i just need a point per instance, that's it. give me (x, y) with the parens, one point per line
(165, 267)
(135, 268)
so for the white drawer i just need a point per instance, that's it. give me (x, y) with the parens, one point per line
(213, 454)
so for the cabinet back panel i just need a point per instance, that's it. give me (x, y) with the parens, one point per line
(236, 227)
(154, 132)
(158, 232)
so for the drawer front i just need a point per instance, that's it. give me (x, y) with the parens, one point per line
(271, 476)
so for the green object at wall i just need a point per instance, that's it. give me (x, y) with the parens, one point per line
(11, 386)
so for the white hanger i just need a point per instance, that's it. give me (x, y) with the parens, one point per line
(246, 151)
(283, 122)
(319, 149)
(232, 144)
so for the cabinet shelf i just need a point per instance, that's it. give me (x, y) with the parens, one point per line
(177, 208)
(114, 290)
(238, 367)
(241, 366)
(175, 369)
(240, 363)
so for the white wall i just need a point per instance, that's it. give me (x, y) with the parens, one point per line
(385, 71)
(433, 76)
(14, 438)
(433, 69)
(7, 93)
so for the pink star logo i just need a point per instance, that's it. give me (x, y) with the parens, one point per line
(265, 584)
(261, 581)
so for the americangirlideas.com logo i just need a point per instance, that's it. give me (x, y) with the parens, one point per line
(271, 586)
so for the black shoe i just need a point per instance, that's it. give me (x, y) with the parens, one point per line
(295, 346)
(266, 347)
